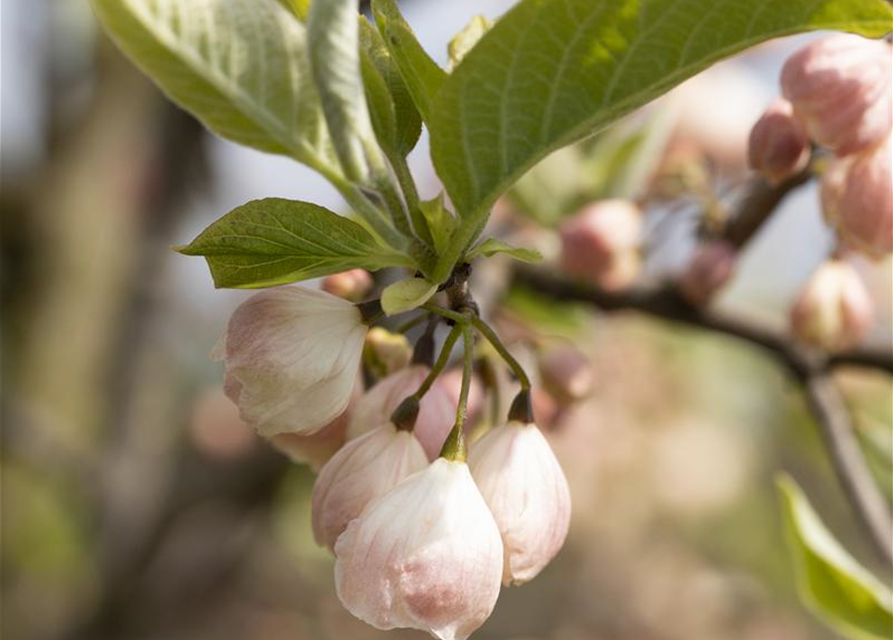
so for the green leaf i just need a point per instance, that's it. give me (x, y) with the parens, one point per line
(463, 41)
(240, 66)
(396, 120)
(333, 37)
(553, 71)
(421, 74)
(406, 295)
(275, 241)
(299, 7)
(830, 581)
(440, 221)
(492, 246)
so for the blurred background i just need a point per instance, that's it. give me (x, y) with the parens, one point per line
(136, 505)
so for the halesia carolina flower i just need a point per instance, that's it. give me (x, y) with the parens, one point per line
(525, 488)
(362, 470)
(351, 285)
(291, 356)
(840, 88)
(865, 204)
(778, 146)
(426, 556)
(437, 410)
(601, 244)
(711, 267)
(834, 310)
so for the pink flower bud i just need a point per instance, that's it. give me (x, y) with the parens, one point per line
(526, 490)
(711, 267)
(353, 285)
(567, 373)
(865, 208)
(362, 470)
(427, 555)
(778, 146)
(601, 244)
(833, 183)
(386, 352)
(291, 356)
(834, 310)
(840, 86)
(437, 411)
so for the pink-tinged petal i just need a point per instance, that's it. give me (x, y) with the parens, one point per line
(527, 492)
(427, 555)
(364, 469)
(865, 213)
(778, 146)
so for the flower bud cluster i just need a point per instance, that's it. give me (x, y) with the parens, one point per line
(422, 539)
(838, 94)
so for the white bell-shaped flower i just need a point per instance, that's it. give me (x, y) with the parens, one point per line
(362, 470)
(525, 488)
(292, 357)
(427, 555)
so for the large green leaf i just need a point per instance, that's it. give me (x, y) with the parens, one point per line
(334, 40)
(421, 74)
(553, 71)
(274, 241)
(830, 581)
(240, 66)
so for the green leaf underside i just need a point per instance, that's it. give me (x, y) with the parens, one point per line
(421, 74)
(553, 71)
(397, 121)
(406, 295)
(240, 66)
(830, 581)
(274, 241)
(491, 246)
(333, 37)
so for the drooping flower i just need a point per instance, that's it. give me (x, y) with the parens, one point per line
(778, 147)
(291, 356)
(840, 88)
(834, 310)
(362, 470)
(527, 492)
(601, 244)
(437, 410)
(708, 271)
(427, 555)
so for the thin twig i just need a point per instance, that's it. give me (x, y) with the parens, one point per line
(810, 368)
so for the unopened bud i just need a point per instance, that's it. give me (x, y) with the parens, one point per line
(353, 285)
(778, 146)
(711, 267)
(567, 373)
(834, 310)
(385, 352)
(865, 207)
(839, 86)
(601, 244)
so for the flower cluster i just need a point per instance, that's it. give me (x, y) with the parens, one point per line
(425, 530)
(837, 96)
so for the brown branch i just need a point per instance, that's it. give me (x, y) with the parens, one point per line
(810, 368)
